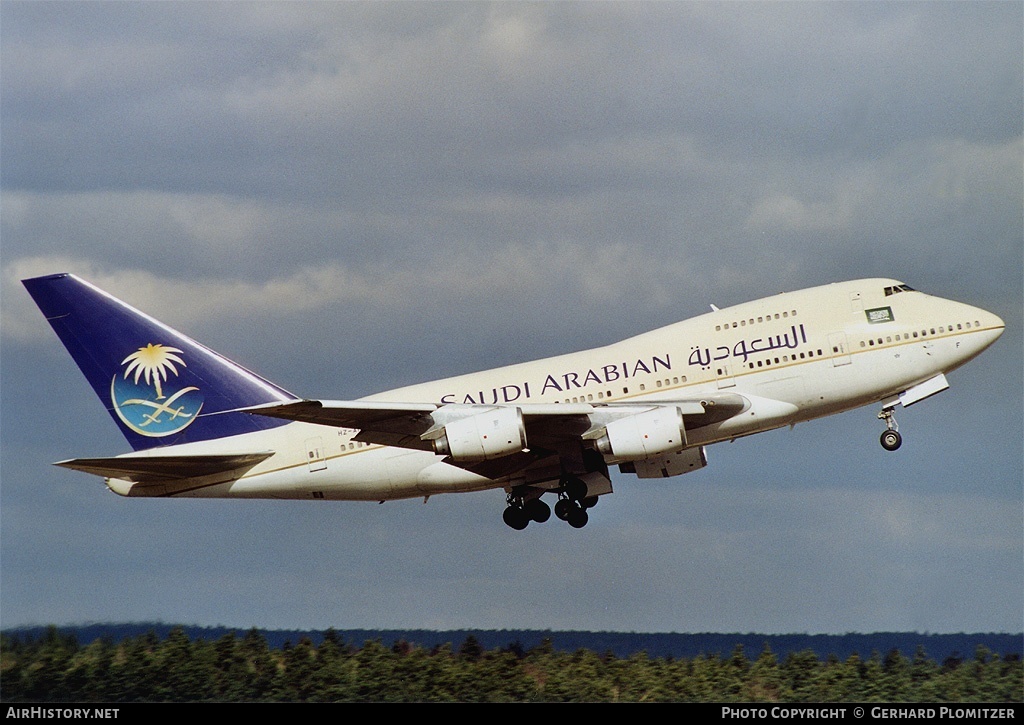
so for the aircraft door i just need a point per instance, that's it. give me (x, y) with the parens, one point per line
(315, 454)
(725, 378)
(840, 350)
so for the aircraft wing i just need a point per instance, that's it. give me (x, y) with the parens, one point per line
(156, 469)
(389, 424)
(416, 418)
(341, 413)
(544, 430)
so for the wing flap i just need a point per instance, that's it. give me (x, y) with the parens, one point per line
(163, 469)
(345, 414)
(386, 424)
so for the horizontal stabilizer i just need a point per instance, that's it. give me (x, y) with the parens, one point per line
(163, 469)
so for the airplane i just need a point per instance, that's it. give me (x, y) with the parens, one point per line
(203, 426)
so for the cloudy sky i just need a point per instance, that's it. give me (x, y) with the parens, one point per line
(349, 197)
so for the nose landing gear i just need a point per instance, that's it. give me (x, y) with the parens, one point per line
(891, 438)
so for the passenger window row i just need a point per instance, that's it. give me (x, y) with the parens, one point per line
(754, 321)
(930, 331)
(768, 362)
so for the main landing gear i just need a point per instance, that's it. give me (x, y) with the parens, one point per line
(574, 512)
(520, 513)
(891, 438)
(571, 507)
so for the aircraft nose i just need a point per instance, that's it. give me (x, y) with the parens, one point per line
(998, 324)
(993, 322)
(992, 325)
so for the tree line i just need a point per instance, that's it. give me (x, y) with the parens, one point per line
(55, 667)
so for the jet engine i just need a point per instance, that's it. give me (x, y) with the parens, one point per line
(494, 433)
(640, 436)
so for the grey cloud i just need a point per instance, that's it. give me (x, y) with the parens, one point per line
(340, 99)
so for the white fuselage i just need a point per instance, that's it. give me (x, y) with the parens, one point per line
(795, 356)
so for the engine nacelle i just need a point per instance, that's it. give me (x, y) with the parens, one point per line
(643, 435)
(494, 433)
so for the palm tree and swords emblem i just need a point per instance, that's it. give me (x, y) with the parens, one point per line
(139, 398)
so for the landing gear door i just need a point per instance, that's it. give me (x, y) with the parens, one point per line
(840, 349)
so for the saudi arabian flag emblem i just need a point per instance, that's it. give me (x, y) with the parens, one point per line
(145, 397)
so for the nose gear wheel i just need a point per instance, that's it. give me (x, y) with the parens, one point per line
(891, 438)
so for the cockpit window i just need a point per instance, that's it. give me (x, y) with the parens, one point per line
(896, 289)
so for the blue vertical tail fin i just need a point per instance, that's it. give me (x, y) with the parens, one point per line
(160, 386)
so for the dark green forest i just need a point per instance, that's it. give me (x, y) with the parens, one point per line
(55, 667)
